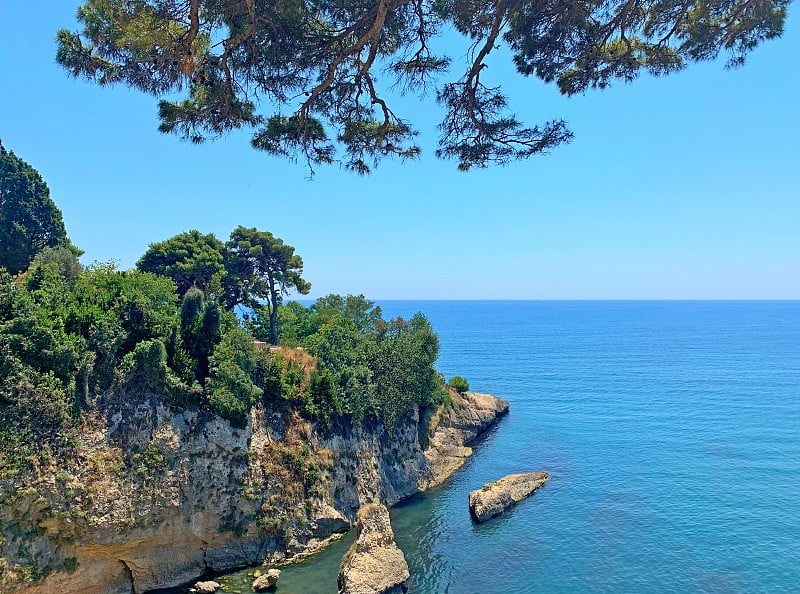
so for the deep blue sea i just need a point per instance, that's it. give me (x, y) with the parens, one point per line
(671, 431)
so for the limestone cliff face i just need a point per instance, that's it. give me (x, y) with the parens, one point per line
(155, 498)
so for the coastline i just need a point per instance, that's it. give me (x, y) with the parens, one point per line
(200, 514)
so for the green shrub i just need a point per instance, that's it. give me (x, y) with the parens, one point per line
(147, 361)
(231, 392)
(459, 384)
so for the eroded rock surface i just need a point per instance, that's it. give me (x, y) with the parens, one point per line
(374, 564)
(267, 581)
(208, 587)
(155, 499)
(496, 497)
(453, 429)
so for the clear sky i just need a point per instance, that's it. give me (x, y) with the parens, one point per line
(674, 188)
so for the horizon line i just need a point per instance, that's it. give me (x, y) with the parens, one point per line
(582, 299)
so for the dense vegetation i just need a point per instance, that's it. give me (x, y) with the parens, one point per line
(29, 219)
(70, 336)
(65, 342)
(321, 72)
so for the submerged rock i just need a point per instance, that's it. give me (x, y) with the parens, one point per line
(374, 564)
(268, 581)
(496, 497)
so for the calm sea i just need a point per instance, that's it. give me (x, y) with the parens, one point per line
(671, 431)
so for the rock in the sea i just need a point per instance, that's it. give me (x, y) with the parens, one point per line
(206, 587)
(374, 564)
(495, 498)
(267, 581)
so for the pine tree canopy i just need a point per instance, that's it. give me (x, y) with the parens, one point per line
(304, 74)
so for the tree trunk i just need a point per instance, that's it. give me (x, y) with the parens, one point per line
(273, 317)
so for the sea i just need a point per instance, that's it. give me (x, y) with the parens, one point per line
(671, 432)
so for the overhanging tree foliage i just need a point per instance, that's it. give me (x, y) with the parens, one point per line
(314, 66)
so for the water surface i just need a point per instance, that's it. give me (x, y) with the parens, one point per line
(671, 431)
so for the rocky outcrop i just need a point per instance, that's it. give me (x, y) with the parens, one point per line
(267, 581)
(374, 564)
(208, 587)
(154, 498)
(453, 429)
(496, 497)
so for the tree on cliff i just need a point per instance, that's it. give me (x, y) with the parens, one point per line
(29, 219)
(266, 269)
(315, 65)
(190, 259)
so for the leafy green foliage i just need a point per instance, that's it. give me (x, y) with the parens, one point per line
(190, 259)
(459, 384)
(201, 329)
(344, 353)
(29, 220)
(147, 365)
(230, 388)
(315, 66)
(64, 259)
(402, 366)
(68, 335)
(375, 369)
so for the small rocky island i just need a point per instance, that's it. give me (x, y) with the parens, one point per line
(374, 564)
(496, 497)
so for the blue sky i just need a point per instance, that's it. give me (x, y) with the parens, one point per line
(685, 187)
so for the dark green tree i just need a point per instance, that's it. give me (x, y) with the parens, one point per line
(459, 384)
(314, 65)
(344, 353)
(29, 219)
(266, 269)
(402, 367)
(201, 330)
(191, 259)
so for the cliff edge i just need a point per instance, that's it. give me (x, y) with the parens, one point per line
(155, 498)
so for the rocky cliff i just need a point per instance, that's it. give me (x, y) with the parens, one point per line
(153, 498)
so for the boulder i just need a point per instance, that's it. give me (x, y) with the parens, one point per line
(206, 587)
(495, 498)
(374, 564)
(267, 581)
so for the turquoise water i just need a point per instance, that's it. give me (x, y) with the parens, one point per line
(671, 432)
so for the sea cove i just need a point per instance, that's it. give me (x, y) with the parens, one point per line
(671, 431)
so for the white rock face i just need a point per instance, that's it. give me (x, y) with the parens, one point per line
(206, 587)
(495, 498)
(374, 564)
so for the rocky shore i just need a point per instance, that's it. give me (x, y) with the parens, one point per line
(156, 499)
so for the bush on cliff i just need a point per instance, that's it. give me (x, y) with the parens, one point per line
(230, 389)
(459, 384)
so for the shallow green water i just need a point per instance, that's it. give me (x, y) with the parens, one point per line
(316, 575)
